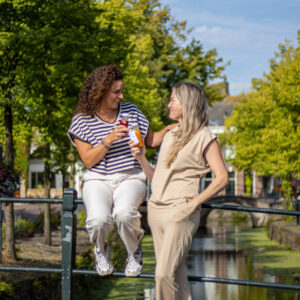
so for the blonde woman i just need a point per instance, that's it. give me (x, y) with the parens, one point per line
(187, 153)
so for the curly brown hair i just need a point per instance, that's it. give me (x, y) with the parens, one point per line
(94, 88)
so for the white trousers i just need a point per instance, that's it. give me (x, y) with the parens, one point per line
(114, 199)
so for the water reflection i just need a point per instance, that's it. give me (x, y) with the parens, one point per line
(215, 254)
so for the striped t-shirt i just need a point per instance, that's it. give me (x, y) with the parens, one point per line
(92, 129)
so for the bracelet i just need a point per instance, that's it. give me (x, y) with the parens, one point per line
(104, 144)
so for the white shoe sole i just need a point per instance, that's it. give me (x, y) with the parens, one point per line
(106, 273)
(132, 274)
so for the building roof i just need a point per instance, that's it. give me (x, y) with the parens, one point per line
(218, 112)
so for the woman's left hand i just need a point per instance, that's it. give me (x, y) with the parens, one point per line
(181, 212)
(191, 204)
(137, 152)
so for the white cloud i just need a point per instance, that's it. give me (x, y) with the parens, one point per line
(168, 2)
(205, 29)
(248, 45)
(243, 32)
(229, 32)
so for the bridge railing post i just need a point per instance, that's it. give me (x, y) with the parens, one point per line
(298, 208)
(1, 216)
(1, 225)
(68, 242)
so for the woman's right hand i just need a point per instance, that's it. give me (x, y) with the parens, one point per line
(118, 133)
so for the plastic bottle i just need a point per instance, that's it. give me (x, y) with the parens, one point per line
(124, 119)
(135, 134)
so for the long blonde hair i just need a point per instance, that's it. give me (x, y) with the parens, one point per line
(194, 116)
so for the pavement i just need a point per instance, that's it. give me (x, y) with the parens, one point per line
(32, 211)
(32, 249)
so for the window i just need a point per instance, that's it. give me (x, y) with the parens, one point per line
(267, 187)
(230, 188)
(66, 181)
(37, 180)
(52, 180)
(207, 180)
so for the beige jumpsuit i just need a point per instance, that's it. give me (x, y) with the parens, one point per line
(171, 221)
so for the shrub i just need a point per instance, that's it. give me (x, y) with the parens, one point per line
(55, 220)
(6, 290)
(81, 218)
(118, 253)
(239, 217)
(9, 178)
(85, 260)
(23, 228)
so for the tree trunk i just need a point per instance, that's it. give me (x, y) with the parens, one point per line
(9, 144)
(71, 177)
(47, 225)
(46, 178)
(10, 252)
(26, 175)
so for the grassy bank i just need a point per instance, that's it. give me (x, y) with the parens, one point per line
(270, 257)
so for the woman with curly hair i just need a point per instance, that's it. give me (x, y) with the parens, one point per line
(187, 153)
(114, 184)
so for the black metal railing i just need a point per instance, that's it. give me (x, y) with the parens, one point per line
(69, 204)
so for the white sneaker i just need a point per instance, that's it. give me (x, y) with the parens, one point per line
(103, 264)
(134, 264)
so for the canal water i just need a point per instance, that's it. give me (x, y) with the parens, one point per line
(217, 251)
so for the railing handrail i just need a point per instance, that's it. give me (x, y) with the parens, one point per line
(204, 205)
(151, 276)
(69, 203)
(31, 200)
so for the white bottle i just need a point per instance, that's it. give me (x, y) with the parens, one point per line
(135, 134)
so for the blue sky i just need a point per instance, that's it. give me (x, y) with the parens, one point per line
(245, 32)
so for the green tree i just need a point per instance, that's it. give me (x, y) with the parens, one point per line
(47, 47)
(12, 40)
(157, 60)
(264, 127)
(65, 48)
